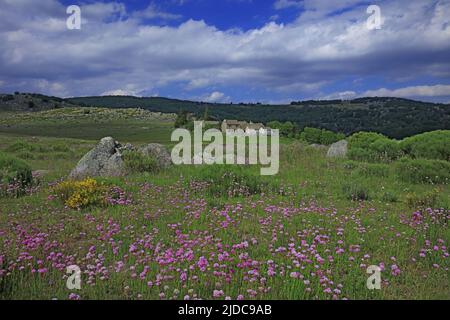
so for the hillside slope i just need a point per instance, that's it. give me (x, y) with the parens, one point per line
(394, 117)
(25, 102)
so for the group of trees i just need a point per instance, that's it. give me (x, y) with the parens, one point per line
(287, 129)
(182, 119)
(308, 134)
(320, 136)
(7, 97)
(185, 120)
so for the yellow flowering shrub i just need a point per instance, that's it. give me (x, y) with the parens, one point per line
(81, 194)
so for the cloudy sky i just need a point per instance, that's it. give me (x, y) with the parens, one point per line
(227, 50)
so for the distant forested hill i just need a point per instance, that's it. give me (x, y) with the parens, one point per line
(394, 117)
(30, 102)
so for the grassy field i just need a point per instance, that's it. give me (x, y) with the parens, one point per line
(191, 232)
(132, 125)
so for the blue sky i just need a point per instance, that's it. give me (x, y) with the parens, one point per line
(224, 15)
(272, 51)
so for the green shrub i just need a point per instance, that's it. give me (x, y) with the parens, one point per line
(14, 171)
(388, 196)
(320, 136)
(433, 145)
(61, 148)
(360, 154)
(423, 171)
(137, 162)
(329, 137)
(356, 191)
(364, 139)
(24, 146)
(386, 150)
(311, 135)
(426, 200)
(373, 170)
(373, 147)
(230, 181)
(367, 169)
(21, 145)
(26, 155)
(287, 129)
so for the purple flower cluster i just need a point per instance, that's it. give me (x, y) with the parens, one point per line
(170, 243)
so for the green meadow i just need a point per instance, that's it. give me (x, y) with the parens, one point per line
(215, 232)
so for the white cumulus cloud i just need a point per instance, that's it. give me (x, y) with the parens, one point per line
(215, 96)
(439, 90)
(116, 50)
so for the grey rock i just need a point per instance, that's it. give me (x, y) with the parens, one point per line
(104, 160)
(159, 152)
(338, 149)
(127, 147)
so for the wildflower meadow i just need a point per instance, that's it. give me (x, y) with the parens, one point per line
(223, 233)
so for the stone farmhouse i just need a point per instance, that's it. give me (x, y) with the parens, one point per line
(249, 128)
